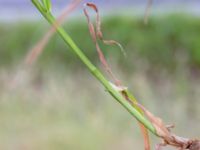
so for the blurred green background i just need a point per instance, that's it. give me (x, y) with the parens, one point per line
(57, 104)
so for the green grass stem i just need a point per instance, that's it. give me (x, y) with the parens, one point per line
(93, 69)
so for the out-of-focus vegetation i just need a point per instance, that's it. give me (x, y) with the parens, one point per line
(165, 42)
(55, 104)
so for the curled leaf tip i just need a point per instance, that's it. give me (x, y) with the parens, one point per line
(93, 6)
(113, 42)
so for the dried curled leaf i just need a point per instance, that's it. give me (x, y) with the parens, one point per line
(96, 33)
(169, 138)
(195, 145)
(145, 134)
(99, 31)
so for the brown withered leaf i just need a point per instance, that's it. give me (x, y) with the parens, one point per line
(168, 137)
(97, 34)
(195, 145)
(147, 145)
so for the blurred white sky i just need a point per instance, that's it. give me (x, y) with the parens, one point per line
(23, 9)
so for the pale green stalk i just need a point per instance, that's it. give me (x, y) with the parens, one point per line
(93, 69)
